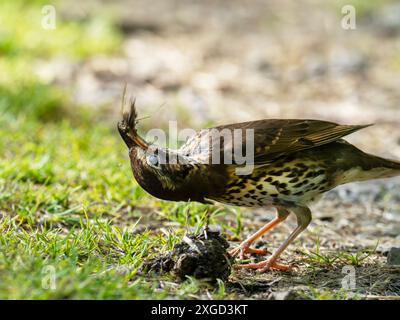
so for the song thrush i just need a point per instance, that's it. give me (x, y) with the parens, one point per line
(295, 162)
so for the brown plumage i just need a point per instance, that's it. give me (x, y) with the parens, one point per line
(295, 162)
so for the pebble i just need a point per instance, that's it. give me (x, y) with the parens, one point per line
(393, 258)
(283, 295)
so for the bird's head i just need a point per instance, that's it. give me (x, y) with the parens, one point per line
(160, 171)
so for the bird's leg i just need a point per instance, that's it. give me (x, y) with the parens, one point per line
(244, 247)
(303, 215)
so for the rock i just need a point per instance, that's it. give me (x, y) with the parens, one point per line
(283, 295)
(383, 250)
(326, 218)
(393, 258)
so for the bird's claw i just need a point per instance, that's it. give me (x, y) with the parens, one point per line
(244, 249)
(265, 266)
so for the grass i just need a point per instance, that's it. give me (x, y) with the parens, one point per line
(22, 33)
(338, 257)
(68, 203)
(24, 44)
(323, 294)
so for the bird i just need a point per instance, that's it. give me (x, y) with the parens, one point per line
(295, 161)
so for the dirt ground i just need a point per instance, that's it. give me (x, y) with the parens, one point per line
(216, 62)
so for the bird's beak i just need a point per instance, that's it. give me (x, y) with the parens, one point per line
(131, 141)
(140, 143)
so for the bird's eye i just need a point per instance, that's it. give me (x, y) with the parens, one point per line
(152, 160)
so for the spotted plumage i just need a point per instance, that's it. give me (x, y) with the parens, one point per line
(294, 163)
(281, 181)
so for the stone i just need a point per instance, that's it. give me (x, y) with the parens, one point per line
(393, 258)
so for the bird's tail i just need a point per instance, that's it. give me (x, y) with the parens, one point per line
(390, 167)
(374, 167)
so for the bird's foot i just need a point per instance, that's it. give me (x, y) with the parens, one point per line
(244, 248)
(264, 266)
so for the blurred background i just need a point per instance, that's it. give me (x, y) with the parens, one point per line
(205, 62)
(201, 62)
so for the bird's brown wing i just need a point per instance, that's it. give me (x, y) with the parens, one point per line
(273, 138)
